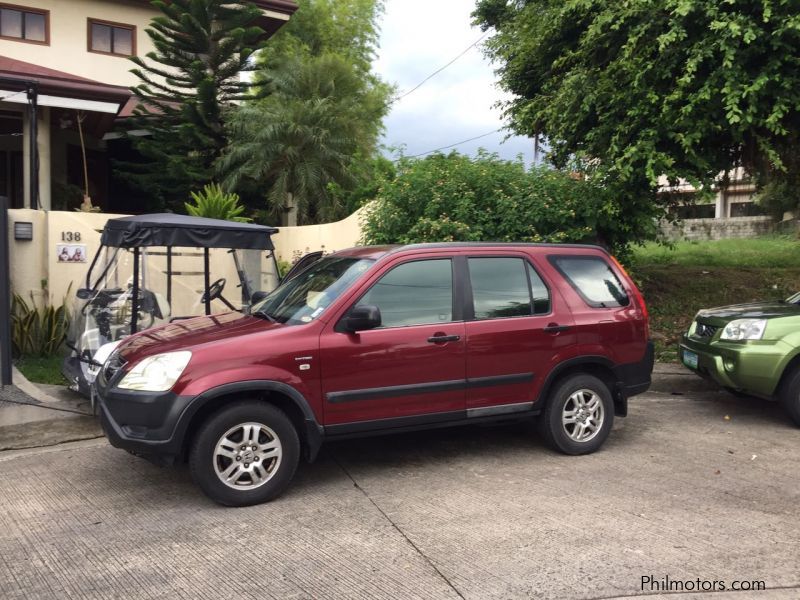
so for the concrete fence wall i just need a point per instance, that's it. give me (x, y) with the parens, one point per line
(716, 229)
(293, 242)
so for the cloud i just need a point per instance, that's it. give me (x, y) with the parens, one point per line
(417, 38)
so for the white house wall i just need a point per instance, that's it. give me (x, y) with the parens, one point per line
(68, 48)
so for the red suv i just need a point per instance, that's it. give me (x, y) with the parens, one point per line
(384, 339)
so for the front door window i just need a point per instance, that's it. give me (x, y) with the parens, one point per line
(415, 293)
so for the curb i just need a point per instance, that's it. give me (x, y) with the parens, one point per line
(31, 389)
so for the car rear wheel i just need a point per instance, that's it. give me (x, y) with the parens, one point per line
(245, 454)
(578, 416)
(790, 396)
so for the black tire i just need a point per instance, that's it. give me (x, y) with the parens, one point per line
(550, 421)
(245, 490)
(790, 396)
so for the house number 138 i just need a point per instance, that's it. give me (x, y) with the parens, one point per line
(70, 236)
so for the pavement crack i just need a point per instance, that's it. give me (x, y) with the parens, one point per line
(12, 451)
(397, 528)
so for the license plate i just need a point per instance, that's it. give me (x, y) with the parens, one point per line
(690, 359)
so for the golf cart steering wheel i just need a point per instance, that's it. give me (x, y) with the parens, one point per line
(214, 291)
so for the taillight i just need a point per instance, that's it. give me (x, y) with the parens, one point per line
(637, 295)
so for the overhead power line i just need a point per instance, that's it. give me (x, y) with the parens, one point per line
(435, 73)
(472, 139)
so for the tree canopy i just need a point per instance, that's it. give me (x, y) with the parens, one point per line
(348, 28)
(682, 88)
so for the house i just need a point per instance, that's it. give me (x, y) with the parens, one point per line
(731, 201)
(64, 84)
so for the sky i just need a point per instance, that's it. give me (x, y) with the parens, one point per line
(417, 38)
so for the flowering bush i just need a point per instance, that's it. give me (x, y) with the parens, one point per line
(456, 198)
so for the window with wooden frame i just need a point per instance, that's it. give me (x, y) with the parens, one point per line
(117, 39)
(24, 24)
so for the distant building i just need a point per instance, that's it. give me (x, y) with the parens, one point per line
(736, 200)
(64, 60)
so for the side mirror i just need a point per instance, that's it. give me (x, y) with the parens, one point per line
(362, 318)
(257, 297)
(83, 294)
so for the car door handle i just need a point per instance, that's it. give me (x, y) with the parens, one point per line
(555, 328)
(441, 339)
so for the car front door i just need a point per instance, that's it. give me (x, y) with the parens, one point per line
(516, 328)
(411, 369)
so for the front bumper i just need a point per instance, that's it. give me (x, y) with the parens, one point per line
(144, 423)
(752, 367)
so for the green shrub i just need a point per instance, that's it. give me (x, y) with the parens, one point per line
(455, 198)
(37, 331)
(283, 267)
(65, 196)
(213, 203)
(778, 197)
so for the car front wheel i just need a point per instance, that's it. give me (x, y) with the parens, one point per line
(245, 454)
(578, 416)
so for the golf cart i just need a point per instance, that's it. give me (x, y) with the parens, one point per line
(154, 269)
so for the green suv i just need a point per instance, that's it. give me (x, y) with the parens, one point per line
(751, 349)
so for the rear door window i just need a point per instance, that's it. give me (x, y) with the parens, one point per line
(506, 287)
(593, 278)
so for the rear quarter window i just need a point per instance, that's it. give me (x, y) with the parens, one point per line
(594, 280)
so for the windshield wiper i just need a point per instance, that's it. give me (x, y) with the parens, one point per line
(264, 315)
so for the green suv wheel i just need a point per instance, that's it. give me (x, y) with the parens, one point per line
(790, 396)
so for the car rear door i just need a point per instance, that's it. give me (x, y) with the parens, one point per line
(411, 369)
(517, 327)
(609, 321)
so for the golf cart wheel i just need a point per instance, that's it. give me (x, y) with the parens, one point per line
(578, 416)
(790, 395)
(245, 454)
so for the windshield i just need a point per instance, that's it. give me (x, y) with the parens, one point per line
(306, 296)
(794, 299)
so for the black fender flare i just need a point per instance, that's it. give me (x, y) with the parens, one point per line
(620, 401)
(313, 431)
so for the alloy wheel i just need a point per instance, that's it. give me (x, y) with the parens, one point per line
(583, 415)
(247, 456)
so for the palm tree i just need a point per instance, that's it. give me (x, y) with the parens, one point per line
(303, 137)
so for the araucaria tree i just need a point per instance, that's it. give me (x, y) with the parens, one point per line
(187, 86)
(682, 88)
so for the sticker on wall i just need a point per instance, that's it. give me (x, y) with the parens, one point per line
(71, 253)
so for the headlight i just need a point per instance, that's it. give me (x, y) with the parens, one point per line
(156, 373)
(744, 329)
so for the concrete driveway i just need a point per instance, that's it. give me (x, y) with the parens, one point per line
(695, 486)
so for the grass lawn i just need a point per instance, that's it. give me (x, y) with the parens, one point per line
(679, 281)
(768, 251)
(41, 369)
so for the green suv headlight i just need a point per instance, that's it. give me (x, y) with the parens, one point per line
(744, 329)
(156, 373)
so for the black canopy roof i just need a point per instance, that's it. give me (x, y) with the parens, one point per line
(166, 229)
